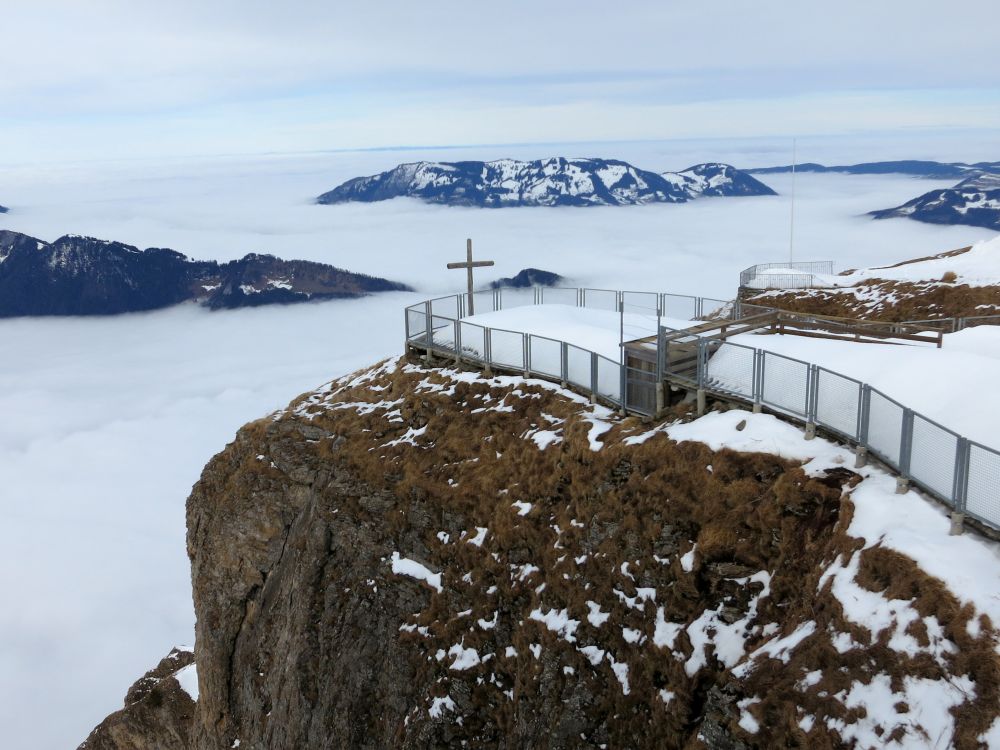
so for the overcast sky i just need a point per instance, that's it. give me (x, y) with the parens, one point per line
(115, 78)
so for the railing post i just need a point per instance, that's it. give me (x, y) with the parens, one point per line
(702, 361)
(488, 354)
(429, 332)
(526, 353)
(960, 486)
(458, 342)
(811, 395)
(758, 379)
(623, 386)
(583, 297)
(563, 363)
(593, 377)
(905, 450)
(579, 297)
(659, 351)
(864, 409)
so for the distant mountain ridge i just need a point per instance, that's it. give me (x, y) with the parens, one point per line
(545, 182)
(526, 278)
(3, 209)
(913, 167)
(974, 201)
(85, 276)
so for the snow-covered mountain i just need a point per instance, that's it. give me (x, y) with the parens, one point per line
(974, 201)
(547, 182)
(85, 276)
(914, 167)
(3, 209)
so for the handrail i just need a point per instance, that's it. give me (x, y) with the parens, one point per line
(964, 484)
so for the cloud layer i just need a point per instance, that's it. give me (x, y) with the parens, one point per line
(108, 422)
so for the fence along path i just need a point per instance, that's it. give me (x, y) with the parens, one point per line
(963, 474)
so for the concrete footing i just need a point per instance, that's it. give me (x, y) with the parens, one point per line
(700, 399)
(810, 430)
(860, 457)
(957, 523)
(756, 407)
(902, 485)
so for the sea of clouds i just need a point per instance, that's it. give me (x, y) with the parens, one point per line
(107, 422)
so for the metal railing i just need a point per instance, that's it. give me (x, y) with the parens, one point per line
(758, 276)
(439, 325)
(963, 474)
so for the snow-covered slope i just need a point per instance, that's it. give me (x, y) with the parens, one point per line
(958, 283)
(974, 201)
(549, 182)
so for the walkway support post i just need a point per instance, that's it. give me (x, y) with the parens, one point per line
(428, 331)
(593, 377)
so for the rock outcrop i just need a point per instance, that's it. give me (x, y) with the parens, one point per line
(414, 557)
(158, 713)
(86, 276)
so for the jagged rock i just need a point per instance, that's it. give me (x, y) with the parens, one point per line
(158, 712)
(719, 715)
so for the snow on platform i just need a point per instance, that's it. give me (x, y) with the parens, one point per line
(957, 386)
(977, 266)
(597, 330)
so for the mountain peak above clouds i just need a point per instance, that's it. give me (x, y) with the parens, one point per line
(975, 201)
(556, 181)
(77, 275)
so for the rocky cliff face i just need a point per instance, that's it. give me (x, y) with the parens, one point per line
(86, 276)
(413, 557)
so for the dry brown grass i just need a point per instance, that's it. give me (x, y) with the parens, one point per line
(627, 504)
(902, 301)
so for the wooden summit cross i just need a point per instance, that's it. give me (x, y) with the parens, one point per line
(470, 264)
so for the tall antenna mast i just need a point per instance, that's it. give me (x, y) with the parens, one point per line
(791, 220)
